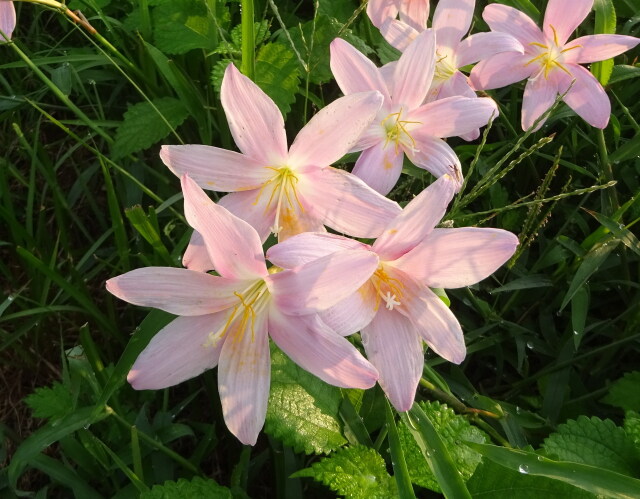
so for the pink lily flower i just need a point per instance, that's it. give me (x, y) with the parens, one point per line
(287, 190)
(414, 13)
(550, 63)
(227, 320)
(7, 19)
(404, 124)
(396, 310)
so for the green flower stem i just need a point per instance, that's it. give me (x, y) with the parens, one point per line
(400, 470)
(248, 38)
(607, 172)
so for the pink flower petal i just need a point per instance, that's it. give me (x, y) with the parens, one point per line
(346, 204)
(380, 167)
(539, 94)
(7, 19)
(177, 291)
(254, 120)
(501, 70)
(352, 313)
(234, 246)
(593, 48)
(214, 168)
(394, 347)
(381, 10)
(298, 219)
(196, 256)
(353, 71)
(332, 132)
(451, 21)
(481, 46)
(562, 17)
(180, 351)
(253, 207)
(587, 97)
(505, 19)
(436, 156)
(417, 220)
(398, 34)
(308, 246)
(321, 283)
(244, 374)
(316, 348)
(454, 258)
(415, 13)
(456, 85)
(452, 116)
(414, 71)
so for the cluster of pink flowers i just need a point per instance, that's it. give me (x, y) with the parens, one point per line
(323, 286)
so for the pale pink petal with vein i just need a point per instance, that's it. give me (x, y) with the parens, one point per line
(539, 95)
(398, 34)
(308, 246)
(196, 256)
(7, 19)
(414, 71)
(453, 116)
(481, 46)
(415, 13)
(593, 48)
(500, 70)
(587, 97)
(451, 21)
(436, 156)
(564, 16)
(505, 19)
(380, 166)
(253, 207)
(353, 313)
(380, 10)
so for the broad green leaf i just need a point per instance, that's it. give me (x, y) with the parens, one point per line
(452, 429)
(52, 402)
(620, 231)
(628, 150)
(342, 10)
(64, 475)
(202, 488)
(625, 392)
(277, 73)
(303, 410)
(492, 481)
(589, 478)
(183, 25)
(147, 227)
(605, 24)
(632, 427)
(146, 123)
(526, 282)
(356, 472)
(595, 442)
(623, 72)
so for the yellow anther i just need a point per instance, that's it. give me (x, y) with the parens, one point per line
(388, 289)
(283, 188)
(397, 131)
(551, 55)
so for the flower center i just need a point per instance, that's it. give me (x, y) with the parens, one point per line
(283, 193)
(445, 68)
(550, 56)
(388, 289)
(397, 132)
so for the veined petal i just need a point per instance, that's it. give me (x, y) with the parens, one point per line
(500, 70)
(177, 291)
(539, 94)
(415, 13)
(437, 157)
(316, 348)
(308, 246)
(562, 17)
(398, 34)
(346, 204)
(456, 85)
(294, 220)
(380, 167)
(593, 48)
(414, 71)
(332, 132)
(380, 10)
(253, 208)
(417, 220)
(244, 375)
(234, 246)
(481, 46)
(7, 19)
(352, 313)
(506, 19)
(254, 120)
(394, 347)
(214, 168)
(453, 116)
(587, 97)
(454, 258)
(353, 71)
(321, 283)
(451, 21)
(196, 256)
(180, 351)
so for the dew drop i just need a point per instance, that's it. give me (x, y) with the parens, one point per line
(530, 345)
(576, 332)
(524, 469)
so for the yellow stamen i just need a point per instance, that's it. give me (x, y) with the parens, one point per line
(387, 288)
(283, 183)
(397, 131)
(551, 55)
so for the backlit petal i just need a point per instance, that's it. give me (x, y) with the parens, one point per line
(539, 95)
(587, 97)
(381, 10)
(500, 70)
(352, 313)
(593, 48)
(253, 207)
(436, 156)
(451, 21)
(398, 34)
(380, 166)
(564, 16)
(196, 256)
(505, 19)
(453, 116)
(481, 46)
(308, 246)
(415, 13)
(414, 71)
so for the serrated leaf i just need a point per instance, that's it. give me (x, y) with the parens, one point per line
(217, 73)
(342, 10)
(260, 34)
(302, 410)
(491, 480)
(186, 489)
(632, 427)
(354, 472)
(143, 125)
(183, 25)
(52, 402)
(625, 392)
(277, 72)
(452, 429)
(594, 442)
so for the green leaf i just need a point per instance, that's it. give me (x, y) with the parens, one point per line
(589, 478)
(617, 229)
(354, 472)
(202, 488)
(605, 24)
(625, 392)
(52, 402)
(64, 475)
(632, 427)
(147, 227)
(146, 123)
(452, 429)
(302, 410)
(595, 442)
(492, 481)
(623, 72)
(183, 25)
(277, 73)
(526, 282)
